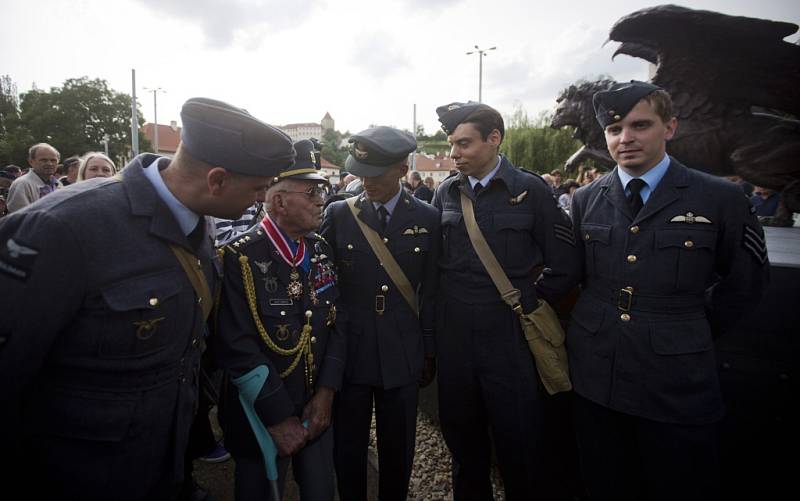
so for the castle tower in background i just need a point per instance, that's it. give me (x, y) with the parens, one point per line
(327, 122)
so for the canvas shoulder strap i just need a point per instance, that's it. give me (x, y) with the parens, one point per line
(508, 292)
(382, 252)
(194, 272)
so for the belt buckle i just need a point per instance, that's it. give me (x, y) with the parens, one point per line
(625, 296)
(380, 304)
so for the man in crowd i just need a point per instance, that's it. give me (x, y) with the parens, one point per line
(39, 181)
(106, 289)
(390, 311)
(70, 168)
(487, 376)
(419, 190)
(284, 270)
(671, 258)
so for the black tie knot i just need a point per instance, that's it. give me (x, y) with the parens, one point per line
(477, 188)
(636, 202)
(636, 185)
(383, 216)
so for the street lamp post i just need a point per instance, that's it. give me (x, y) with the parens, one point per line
(155, 92)
(481, 53)
(106, 138)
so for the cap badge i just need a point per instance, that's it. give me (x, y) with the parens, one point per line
(453, 107)
(313, 157)
(360, 153)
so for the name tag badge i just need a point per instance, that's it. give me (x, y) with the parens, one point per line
(280, 302)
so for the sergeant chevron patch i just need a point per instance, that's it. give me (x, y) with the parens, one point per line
(564, 233)
(753, 241)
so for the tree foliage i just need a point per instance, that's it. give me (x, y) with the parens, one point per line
(330, 147)
(532, 144)
(74, 118)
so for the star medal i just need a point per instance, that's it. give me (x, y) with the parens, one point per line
(312, 294)
(295, 288)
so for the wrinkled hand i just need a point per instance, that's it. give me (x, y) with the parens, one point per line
(318, 412)
(428, 371)
(289, 435)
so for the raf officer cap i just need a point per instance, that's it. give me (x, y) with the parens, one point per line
(307, 163)
(453, 114)
(374, 150)
(223, 135)
(613, 104)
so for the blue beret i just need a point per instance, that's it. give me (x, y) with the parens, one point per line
(307, 164)
(451, 115)
(223, 135)
(613, 104)
(374, 150)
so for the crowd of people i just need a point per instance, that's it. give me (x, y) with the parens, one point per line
(121, 297)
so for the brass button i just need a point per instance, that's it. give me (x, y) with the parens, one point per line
(385, 240)
(625, 317)
(634, 229)
(631, 258)
(385, 288)
(416, 249)
(153, 301)
(283, 313)
(586, 237)
(199, 300)
(349, 246)
(617, 117)
(199, 264)
(313, 339)
(688, 244)
(194, 342)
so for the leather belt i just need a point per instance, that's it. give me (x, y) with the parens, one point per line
(627, 299)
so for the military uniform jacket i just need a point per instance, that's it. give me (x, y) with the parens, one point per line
(238, 345)
(693, 261)
(525, 229)
(102, 332)
(386, 341)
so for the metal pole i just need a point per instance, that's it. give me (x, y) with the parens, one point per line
(134, 120)
(414, 153)
(155, 121)
(480, 76)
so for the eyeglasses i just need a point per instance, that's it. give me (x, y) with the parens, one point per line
(313, 192)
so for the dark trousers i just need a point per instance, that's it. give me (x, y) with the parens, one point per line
(312, 468)
(396, 424)
(626, 457)
(488, 383)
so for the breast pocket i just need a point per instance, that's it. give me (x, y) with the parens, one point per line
(688, 257)
(596, 240)
(513, 238)
(410, 252)
(145, 314)
(451, 240)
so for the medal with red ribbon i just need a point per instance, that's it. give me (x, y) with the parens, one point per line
(295, 288)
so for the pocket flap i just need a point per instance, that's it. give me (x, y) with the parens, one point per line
(596, 233)
(451, 218)
(513, 221)
(143, 292)
(543, 322)
(680, 338)
(686, 238)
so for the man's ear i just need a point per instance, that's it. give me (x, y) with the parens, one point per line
(218, 179)
(494, 138)
(402, 170)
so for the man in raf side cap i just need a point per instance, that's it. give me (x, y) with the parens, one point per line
(487, 377)
(278, 309)
(390, 311)
(99, 358)
(672, 257)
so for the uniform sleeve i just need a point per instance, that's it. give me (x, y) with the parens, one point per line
(554, 235)
(576, 215)
(742, 266)
(42, 273)
(428, 293)
(236, 345)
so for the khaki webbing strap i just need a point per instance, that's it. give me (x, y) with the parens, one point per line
(508, 292)
(194, 272)
(385, 257)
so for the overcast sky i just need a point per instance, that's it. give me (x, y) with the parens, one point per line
(364, 61)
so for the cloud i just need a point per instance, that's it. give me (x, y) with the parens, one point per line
(377, 55)
(430, 4)
(222, 21)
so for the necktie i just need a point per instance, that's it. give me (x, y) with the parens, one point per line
(477, 188)
(383, 216)
(196, 236)
(635, 200)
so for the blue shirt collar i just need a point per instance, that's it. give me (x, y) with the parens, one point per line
(187, 219)
(488, 177)
(392, 203)
(651, 177)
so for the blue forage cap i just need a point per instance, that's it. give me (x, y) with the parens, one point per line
(453, 114)
(226, 136)
(374, 151)
(613, 104)
(307, 163)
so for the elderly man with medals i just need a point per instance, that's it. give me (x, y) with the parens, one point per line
(277, 309)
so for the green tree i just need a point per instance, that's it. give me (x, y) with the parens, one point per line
(330, 147)
(534, 145)
(13, 136)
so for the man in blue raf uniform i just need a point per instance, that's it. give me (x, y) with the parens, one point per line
(487, 375)
(106, 287)
(671, 258)
(278, 309)
(390, 350)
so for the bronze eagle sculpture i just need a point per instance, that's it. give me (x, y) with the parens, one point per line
(734, 85)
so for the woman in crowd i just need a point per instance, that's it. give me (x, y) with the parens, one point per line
(95, 164)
